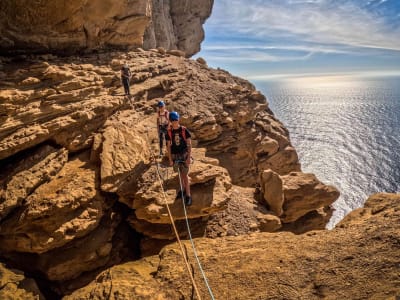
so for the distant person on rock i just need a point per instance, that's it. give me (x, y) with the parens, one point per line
(162, 124)
(125, 78)
(179, 146)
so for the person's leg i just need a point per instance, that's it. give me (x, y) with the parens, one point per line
(161, 139)
(165, 132)
(186, 184)
(126, 86)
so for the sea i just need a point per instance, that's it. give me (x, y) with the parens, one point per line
(346, 130)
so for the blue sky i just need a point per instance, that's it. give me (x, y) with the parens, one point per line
(266, 38)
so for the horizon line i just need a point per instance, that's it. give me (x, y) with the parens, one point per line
(371, 73)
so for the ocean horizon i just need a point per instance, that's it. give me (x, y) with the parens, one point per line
(345, 130)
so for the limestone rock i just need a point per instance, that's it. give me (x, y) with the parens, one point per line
(177, 24)
(303, 193)
(131, 280)
(27, 175)
(313, 220)
(178, 53)
(76, 105)
(209, 188)
(271, 187)
(124, 153)
(67, 116)
(165, 231)
(242, 216)
(73, 25)
(201, 61)
(285, 161)
(261, 265)
(102, 24)
(376, 206)
(79, 255)
(67, 207)
(14, 285)
(269, 223)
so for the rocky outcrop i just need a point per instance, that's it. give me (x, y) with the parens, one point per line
(14, 285)
(285, 195)
(335, 264)
(78, 25)
(80, 174)
(177, 24)
(73, 25)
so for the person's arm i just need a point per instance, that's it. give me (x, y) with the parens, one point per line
(189, 150)
(158, 123)
(169, 152)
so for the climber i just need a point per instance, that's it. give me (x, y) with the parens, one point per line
(179, 146)
(125, 78)
(162, 124)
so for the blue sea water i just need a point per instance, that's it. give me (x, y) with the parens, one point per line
(345, 130)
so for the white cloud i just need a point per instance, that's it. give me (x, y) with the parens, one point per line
(318, 21)
(245, 55)
(302, 48)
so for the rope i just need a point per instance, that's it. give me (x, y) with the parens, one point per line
(191, 240)
(174, 227)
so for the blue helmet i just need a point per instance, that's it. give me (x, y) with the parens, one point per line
(161, 104)
(173, 116)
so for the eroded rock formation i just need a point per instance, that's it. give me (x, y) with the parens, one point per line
(177, 24)
(77, 163)
(356, 260)
(79, 25)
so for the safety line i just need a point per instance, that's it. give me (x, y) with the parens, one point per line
(191, 240)
(174, 227)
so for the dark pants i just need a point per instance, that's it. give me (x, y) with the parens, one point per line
(162, 132)
(125, 82)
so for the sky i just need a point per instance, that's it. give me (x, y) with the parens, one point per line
(259, 39)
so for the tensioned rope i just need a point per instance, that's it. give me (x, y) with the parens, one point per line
(173, 225)
(191, 239)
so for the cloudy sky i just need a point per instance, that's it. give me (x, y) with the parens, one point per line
(256, 38)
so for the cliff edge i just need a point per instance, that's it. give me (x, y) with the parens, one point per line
(79, 189)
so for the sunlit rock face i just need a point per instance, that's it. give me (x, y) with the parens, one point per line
(77, 161)
(361, 252)
(66, 27)
(177, 24)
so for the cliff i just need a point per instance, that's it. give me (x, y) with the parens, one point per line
(356, 260)
(82, 209)
(79, 190)
(67, 27)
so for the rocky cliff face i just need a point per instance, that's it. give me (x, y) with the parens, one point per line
(356, 260)
(79, 189)
(79, 25)
(177, 24)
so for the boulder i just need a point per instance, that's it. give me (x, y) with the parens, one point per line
(304, 193)
(65, 208)
(14, 285)
(272, 189)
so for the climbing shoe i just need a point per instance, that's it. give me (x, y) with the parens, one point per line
(188, 200)
(180, 194)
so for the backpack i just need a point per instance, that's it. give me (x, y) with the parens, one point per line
(183, 133)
